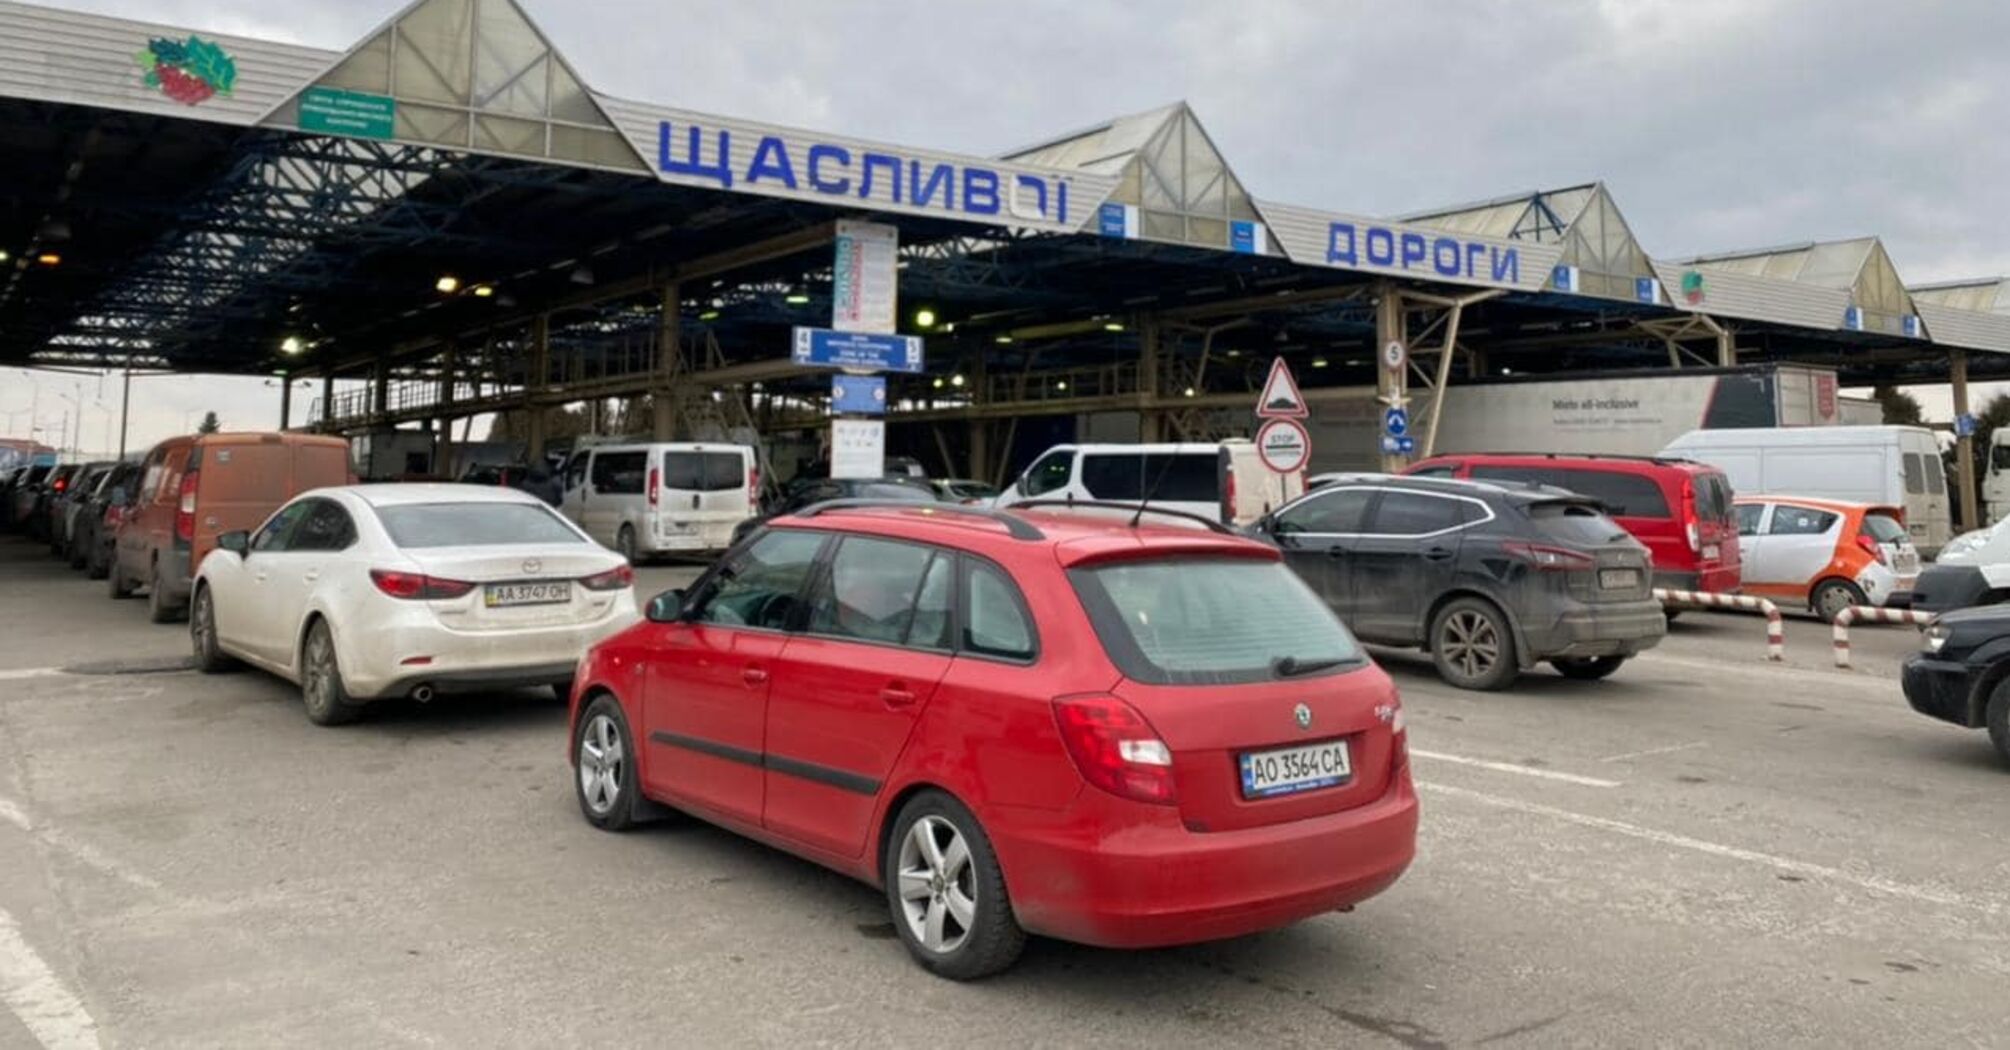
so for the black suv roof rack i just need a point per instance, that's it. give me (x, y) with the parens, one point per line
(1131, 508)
(1018, 528)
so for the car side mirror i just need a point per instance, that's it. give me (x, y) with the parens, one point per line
(667, 607)
(238, 543)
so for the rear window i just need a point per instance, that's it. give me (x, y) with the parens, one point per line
(1182, 477)
(1713, 497)
(418, 525)
(1624, 495)
(704, 471)
(1936, 479)
(1915, 473)
(1209, 621)
(619, 473)
(1883, 528)
(1568, 521)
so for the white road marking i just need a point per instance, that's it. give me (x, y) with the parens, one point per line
(82, 852)
(1655, 751)
(1873, 883)
(29, 672)
(13, 814)
(1526, 771)
(44, 1004)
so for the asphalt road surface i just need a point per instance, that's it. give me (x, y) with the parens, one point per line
(1705, 850)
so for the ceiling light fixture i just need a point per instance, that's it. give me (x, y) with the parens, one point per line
(924, 318)
(796, 299)
(448, 284)
(483, 291)
(291, 345)
(49, 259)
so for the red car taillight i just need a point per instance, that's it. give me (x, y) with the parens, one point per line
(1400, 732)
(753, 486)
(1873, 548)
(61, 484)
(418, 585)
(1550, 559)
(1695, 534)
(184, 515)
(655, 485)
(612, 580)
(1228, 497)
(1116, 749)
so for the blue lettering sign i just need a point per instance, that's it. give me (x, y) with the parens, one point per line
(1110, 221)
(864, 351)
(837, 155)
(1646, 289)
(941, 177)
(1242, 237)
(1380, 246)
(980, 191)
(771, 161)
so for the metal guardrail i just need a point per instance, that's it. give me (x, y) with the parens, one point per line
(1868, 614)
(1776, 631)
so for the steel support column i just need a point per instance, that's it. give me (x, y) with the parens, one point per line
(327, 396)
(536, 375)
(1391, 380)
(286, 401)
(1150, 419)
(443, 435)
(669, 355)
(1964, 447)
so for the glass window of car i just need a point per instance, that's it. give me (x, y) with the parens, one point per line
(761, 585)
(1713, 497)
(1915, 474)
(1433, 472)
(932, 622)
(1209, 621)
(1883, 528)
(1182, 477)
(894, 490)
(995, 622)
(1420, 514)
(272, 535)
(1790, 520)
(480, 523)
(325, 527)
(1052, 472)
(1750, 516)
(690, 471)
(871, 590)
(619, 473)
(1328, 512)
(1579, 522)
(575, 470)
(1936, 478)
(1624, 495)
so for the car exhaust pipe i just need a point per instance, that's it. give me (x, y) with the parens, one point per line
(423, 694)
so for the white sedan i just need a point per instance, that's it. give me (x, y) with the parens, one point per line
(375, 591)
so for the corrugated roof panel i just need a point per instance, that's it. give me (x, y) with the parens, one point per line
(1099, 146)
(1730, 292)
(82, 59)
(1969, 329)
(1989, 295)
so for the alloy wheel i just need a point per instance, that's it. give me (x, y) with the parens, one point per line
(1471, 642)
(204, 624)
(320, 658)
(937, 883)
(600, 764)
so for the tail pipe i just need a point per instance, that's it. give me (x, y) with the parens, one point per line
(423, 693)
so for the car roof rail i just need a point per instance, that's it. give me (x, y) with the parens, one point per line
(1133, 508)
(1018, 528)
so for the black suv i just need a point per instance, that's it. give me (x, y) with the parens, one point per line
(1491, 578)
(1962, 672)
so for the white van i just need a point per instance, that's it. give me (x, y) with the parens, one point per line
(654, 498)
(1888, 465)
(1225, 482)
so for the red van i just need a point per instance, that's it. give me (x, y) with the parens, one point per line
(1680, 509)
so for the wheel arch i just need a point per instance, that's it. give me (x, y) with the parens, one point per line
(1815, 589)
(883, 833)
(1986, 683)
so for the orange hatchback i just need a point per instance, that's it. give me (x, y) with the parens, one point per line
(1825, 554)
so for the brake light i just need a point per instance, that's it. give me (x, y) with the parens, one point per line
(754, 486)
(1550, 559)
(1228, 497)
(1695, 534)
(1873, 548)
(184, 517)
(1115, 749)
(655, 485)
(614, 579)
(418, 585)
(62, 483)
(1399, 732)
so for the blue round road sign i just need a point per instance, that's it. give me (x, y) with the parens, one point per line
(1396, 422)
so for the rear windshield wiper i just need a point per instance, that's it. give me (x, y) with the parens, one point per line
(1292, 667)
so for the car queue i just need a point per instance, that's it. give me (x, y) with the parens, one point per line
(1153, 686)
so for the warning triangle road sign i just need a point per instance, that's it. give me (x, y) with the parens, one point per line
(1281, 399)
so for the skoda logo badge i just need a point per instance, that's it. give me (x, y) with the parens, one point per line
(532, 565)
(1303, 716)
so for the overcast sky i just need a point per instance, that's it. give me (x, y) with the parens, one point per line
(1718, 124)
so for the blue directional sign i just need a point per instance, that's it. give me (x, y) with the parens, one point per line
(1964, 425)
(864, 395)
(1396, 422)
(865, 351)
(1392, 445)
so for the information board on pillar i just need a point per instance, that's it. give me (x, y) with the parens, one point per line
(865, 277)
(858, 448)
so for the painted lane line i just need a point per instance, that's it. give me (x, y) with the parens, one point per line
(82, 852)
(30, 672)
(1525, 771)
(1655, 751)
(1873, 883)
(14, 815)
(34, 994)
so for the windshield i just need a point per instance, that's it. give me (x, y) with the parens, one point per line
(1209, 622)
(417, 525)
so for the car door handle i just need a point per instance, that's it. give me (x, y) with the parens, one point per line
(1437, 554)
(896, 695)
(1336, 552)
(312, 576)
(754, 676)
(260, 577)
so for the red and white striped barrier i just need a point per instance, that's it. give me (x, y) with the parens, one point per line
(1869, 614)
(1776, 631)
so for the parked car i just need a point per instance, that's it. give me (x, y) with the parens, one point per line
(811, 491)
(537, 479)
(1973, 569)
(65, 505)
(1490, 578)
(1226, 482)
(963, 490)
(1890, 466)
(1015, 722)
(1962, 672)
(394, 590)
(42, 501)
(1679, 509)
(193, 489)
(1824, 554)
(99, 521)
(25, 494)
(646, 499)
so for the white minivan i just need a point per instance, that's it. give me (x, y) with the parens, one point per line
(662, 497)
(1225, 482)
(1894, 466)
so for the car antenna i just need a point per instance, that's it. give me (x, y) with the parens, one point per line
(1154, 489)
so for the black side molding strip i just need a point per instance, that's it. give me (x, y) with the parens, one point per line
(837, 778)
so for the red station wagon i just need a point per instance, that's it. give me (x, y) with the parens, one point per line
(1680, 509)
(1013, 722)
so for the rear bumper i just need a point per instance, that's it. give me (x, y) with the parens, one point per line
(670, 534)
(1940, 588)
(1619, 629)
(1127, 875)
(1718, 580)
(1940, 689)
(374, 659)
